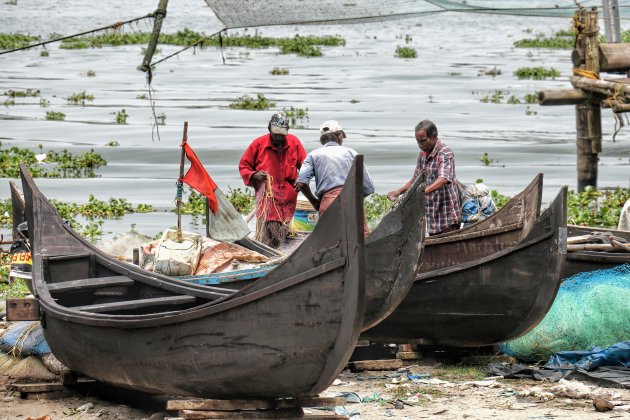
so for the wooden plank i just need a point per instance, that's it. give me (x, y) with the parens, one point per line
(26, 309)
(262, 404)
(94, 283)
(36, 387)
(285, 413)
(136, 304)
(363, 365)
(409, 355)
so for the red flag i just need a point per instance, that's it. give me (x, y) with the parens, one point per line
(198, 178)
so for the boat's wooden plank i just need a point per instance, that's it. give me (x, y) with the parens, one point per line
(362, 365)
(67, 257)
(284, 413)
(93, 283)
(136, 304)
(261, 404)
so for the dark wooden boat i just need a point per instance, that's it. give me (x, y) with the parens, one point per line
(497, 296)
(392, 253)
(18, 209)
(288, 334)
(584, 261)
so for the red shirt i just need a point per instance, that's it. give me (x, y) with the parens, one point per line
(283, 168)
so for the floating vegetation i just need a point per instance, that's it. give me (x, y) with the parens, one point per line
(44, 103)
(531, 98)
(243, 200)
(247, 102)
(90, 73)
(121, 117)
(22, 93)
(513, 100)
(593, 207)
(16, 290)
(296, 116)
(529, 112)
(279, 71)
(536, 73)
(489, 72)
(11, 41)
(55, 116)
(500, 200)
(63, 164)
(6, 212)
(9, 102)
(80, 98)
(142, 96)
(44, 53)
(495, 98)
(485, 160)
(301, 45)
(376, 205)
(112, 143)
(561, 40)
(405, 52)
(161, 118)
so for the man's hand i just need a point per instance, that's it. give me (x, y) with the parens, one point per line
(392, 195)
(260, 176)
(299, 186)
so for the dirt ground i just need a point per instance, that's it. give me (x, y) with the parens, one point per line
(445, 392)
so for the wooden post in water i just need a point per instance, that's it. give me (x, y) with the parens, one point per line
(180, 185)
(588, 114)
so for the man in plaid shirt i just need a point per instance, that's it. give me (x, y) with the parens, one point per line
(442, 197)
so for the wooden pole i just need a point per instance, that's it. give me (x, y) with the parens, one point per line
(180, 184)
(611, 20)
(159, 15)
(562, 97)
(588, 116)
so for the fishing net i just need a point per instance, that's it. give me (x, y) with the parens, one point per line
(273, 221)
(247, 13)
(591, 309)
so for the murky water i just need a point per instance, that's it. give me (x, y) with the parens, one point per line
(377, 98)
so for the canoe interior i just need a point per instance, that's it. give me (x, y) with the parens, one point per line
(585, 261)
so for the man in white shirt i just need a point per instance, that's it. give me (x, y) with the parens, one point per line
(330, 166)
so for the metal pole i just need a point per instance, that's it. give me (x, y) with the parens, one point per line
(611, 20)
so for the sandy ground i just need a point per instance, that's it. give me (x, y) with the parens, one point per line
(451, 392)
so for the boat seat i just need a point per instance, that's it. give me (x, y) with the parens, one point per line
(92, 283)
(136, 304)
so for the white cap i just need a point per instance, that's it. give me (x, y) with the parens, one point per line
(330, 126)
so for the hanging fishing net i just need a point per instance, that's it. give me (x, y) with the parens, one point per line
(591, 309)
(248, 13)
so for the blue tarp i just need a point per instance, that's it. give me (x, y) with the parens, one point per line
(25, 343)
(615, 355)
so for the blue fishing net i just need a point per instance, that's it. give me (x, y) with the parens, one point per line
(591, 309)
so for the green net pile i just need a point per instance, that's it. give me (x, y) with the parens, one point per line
(591, 309)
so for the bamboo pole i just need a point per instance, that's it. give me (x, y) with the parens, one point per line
(562, 97)
(160, 14)
(588, 116)
(180, 184)
(601, 86)
(611, 20)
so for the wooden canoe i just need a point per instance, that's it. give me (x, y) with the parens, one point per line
(18, 209)
(392, 253)
(499, 295)
(584, 261)
(289, 334)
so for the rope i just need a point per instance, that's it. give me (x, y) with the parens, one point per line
(585, 73)
(17, 348)
(114, 26)
(194, 44)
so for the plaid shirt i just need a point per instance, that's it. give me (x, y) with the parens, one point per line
(443, 206)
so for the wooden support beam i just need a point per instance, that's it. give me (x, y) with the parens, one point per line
(588, 116)
(605, 87)
(562, 97)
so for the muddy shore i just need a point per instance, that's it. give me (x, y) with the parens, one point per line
(445, 391)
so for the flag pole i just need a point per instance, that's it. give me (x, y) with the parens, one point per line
(180, 185)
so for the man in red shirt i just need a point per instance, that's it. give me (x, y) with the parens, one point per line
(270, 165)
